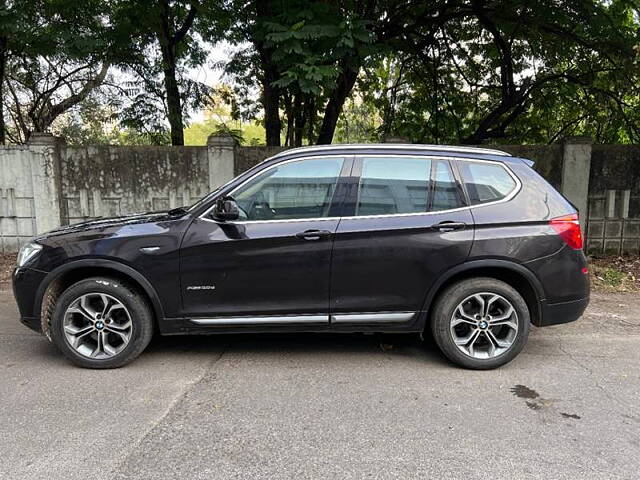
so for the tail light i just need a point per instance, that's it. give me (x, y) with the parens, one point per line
(568, 227)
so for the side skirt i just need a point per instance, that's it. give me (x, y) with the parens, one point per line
(343, 322)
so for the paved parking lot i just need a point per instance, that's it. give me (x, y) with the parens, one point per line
(327, 406)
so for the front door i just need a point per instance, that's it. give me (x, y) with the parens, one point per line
(272, 265)
(408, 225)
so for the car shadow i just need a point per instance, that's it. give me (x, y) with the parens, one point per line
(408, 346)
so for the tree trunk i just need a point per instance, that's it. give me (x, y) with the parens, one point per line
(270, 97)
(174, 105)
(298, 114)
(271, 105)
(288, 113)
(344, 84)
(169, 37)
(270, 93)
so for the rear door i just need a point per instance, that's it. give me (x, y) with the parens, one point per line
(404, 224)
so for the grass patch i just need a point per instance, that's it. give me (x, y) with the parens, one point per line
(615, 273)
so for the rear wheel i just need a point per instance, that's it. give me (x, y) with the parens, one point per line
(101, 323)
(480, 323)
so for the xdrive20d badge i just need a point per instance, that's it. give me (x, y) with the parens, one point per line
(469, 244)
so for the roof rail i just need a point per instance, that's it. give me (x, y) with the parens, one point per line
(400, 146)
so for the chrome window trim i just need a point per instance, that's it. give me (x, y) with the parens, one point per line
(262, 320)
(512, 194)
(397, 146)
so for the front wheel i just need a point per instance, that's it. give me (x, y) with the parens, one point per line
(101, 323)
(480, 323)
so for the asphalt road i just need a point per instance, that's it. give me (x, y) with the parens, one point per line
(327, 406)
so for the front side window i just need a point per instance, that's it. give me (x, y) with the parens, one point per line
(294, 190)
(486, 182)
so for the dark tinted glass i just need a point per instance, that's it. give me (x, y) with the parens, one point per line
(445, 191)
(300, 189)
(393, 185)
(486, 182)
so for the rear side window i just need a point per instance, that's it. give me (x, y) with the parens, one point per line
(445, 191)
(486, 182)
(402, 185)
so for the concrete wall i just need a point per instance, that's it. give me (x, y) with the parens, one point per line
(247, 157)
(108, 181)
(614, 199)
(17, 206)
(46, 184)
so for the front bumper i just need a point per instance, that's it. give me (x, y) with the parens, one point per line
(33, 323)
(26, 282)
(564, 312)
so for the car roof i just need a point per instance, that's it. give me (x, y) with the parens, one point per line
(399, 148)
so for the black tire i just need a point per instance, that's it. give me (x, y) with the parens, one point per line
(138, 309)
(448, 301)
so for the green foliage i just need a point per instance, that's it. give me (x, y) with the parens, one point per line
(53, 53)
(222, 118)
(312, 71)
(570, 68)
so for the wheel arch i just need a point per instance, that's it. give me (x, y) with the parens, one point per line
(65, 275)
(514, 274)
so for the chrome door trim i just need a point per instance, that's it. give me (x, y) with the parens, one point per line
(267, 320)
(379, 317)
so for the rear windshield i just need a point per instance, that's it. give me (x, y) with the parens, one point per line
(486, 182)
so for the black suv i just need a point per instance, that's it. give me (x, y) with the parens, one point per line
(471, 244)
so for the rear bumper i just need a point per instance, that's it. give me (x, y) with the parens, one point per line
(565, 312)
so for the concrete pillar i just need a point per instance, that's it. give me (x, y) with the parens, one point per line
(576, 165)
(221, 153)
(625, 201)
(45, 177)
(610, 204)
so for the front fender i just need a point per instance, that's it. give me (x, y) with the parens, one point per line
(135, 276)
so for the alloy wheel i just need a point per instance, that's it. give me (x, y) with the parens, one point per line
(97, 326)
(484, 325)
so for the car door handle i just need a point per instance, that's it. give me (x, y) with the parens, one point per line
(449, 226)
(313, 234)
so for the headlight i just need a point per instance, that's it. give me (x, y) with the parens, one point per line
(27, 252)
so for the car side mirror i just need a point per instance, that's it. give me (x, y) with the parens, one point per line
(225, 209)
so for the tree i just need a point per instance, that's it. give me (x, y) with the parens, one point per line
(53, 54)
(516, 71)
(167, 38)
(44, 88)
(222, 116)
(464, 71)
